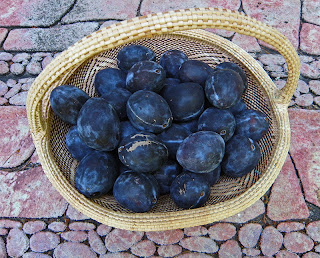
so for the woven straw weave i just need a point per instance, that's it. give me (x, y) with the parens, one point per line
(163, 31)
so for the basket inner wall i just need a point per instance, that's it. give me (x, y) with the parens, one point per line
(255, 97)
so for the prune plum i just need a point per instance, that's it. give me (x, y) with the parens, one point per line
(201, 152)
(211, 177)
(217, 120)
(186, 100)
(137, 192)
(96, 174)
(109, 79)
(190, 190)
(241, 156)
(252, 123)
(191, 126)
(142, 152)
(224, 88)
(66, 102)
(171, 61)
(126, 128)
(77, 148)
(173, 137)
(170, 82)
(129, 55)
(238, 107)
(194, 71)
(145, 75)
(148, 111)
(118, 99)
(98, 125)
(166, 174)
(236, 68)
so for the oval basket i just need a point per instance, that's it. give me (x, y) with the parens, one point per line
(163, 31)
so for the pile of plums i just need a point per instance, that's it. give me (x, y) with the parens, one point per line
(171, 127)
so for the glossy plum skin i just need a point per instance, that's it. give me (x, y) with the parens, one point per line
(242, 155)
(109, 79)
(171, 61)
(173, 137)
(77, 148)
(66, 102)
(252, 123)
(137, 192)
(211, 177)
(218, 120)
(145, 75)
(189, 190)
(148, 111)
(195, 71)
(236, 68)
(126, 128)
(142, 152)
(129, 55)
(99, 125)
(186, 100)
(166, 174)
(238, 107)
(96, 174)
(201, 152)
(191, 126)
(118, 99)
(224, 88)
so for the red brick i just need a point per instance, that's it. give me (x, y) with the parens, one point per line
(70, 249)
(3, 232)
(44, 241)
(3, 252)
(74, 236)
(144, 248)
(297, 242)
(249, 234)
(272, 59)
(247, 43)
(165, 237)
(311, 11)
(120, 240)
(169, 250)
(3, 34)
(230, 249)
(17, 243)
(222, 231)
(271, 241)
(149, 6)
(282, 15)
(286, 254)
(81, 226)
(196, 231)
(317, 248)
(30, 194)
(96, 243)
(199, 244)
(311, 255)
(309, 35)
(73, 214)
(305, 150)
(32, 227)
(221, 32)
(286, 199)
(290, 226)
(313, 230)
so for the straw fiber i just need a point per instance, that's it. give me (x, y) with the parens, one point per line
(160, 32)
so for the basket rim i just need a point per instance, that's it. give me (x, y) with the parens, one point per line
(178, 219)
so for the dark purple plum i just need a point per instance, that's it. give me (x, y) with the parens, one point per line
(218, 120)
(252, 123)
(142, 152)
(109, 79)
(138, 192)
(126, 128)
(201, 152)
(195, 71)
(224, 88)
(212, 177)
(118, 99)
(148, 111)
(242, 155)
(66, 102)
(171, 61)
(173, 137)
(186, 100)
(236, 68)
(190, 190)
(166, 174)
(98, 125)
(170, 82)
(238, 107)
(77, 148)
(191, 126)
(129, 55)
(145, 75)
(96, 174)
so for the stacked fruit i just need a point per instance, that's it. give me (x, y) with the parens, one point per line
(155, 129)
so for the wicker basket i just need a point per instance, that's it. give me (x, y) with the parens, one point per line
(163, 31)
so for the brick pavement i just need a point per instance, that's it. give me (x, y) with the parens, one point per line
(35, 221)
